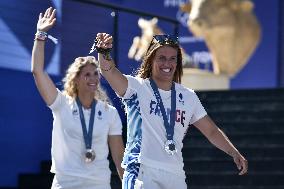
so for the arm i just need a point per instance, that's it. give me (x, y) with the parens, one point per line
(116, 79)
(43, 82)
(117, 149)
(218, 138)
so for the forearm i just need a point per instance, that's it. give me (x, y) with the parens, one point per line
(43, 82)
(117, 156)
(117, 149)
(37, 62)
(115, 78)
(219, 139)
(215, 135)
(120, 170)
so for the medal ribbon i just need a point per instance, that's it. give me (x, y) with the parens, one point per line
(88, 135)
(169, 126)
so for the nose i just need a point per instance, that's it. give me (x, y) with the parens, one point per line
(92, 77)
(169, 61)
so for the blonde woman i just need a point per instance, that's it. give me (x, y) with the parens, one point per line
(84, 123)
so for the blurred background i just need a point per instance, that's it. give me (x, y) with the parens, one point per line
(249, 106)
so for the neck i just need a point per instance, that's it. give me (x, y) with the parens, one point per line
(86, 100)
(164, 85)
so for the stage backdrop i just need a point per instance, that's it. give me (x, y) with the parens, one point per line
(26, 122)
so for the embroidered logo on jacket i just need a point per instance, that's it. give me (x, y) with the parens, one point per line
(181, 98)
(75, 112)
(99, 115)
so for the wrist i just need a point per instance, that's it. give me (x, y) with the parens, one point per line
(107, 56)
(234, 153)
(41, 36)
(108, 67)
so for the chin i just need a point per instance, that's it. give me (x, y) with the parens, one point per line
(167, 77)
(92, 91)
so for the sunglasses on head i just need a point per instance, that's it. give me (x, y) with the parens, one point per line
(166, 39)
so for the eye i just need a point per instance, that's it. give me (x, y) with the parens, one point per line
(173, 59)
(162, 59)
(87, 74)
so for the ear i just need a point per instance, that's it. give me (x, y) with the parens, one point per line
(185, 7)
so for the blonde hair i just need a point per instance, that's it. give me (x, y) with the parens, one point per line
(145, 70)
(73, 71)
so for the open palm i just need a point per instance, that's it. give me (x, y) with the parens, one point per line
(46, 21)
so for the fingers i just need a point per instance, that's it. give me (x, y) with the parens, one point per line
(46, 12)
(242, 164)
(109, 39)
(238, 163)
(53, 21)
(52, 15)
(104, 37)
(104, 45)
(104, 40)
(40, 16)
(49, 12)
(244, 167)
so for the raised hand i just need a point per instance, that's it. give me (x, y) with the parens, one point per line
(104, 40)
(46, 21)
(116, 79)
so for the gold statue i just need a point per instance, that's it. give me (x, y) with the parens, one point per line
(230, 30)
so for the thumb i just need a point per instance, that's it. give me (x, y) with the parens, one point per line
(238, 163)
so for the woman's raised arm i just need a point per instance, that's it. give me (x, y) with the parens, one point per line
(44, 84)
(116, 79)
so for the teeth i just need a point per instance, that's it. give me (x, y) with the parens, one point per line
(167, 70)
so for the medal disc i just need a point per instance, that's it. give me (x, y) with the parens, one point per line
(170, 147)
(90, 155)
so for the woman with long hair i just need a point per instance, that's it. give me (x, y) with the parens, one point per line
(159, 112)
(84, 125)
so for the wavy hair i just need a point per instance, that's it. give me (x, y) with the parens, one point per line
(73, 71)
(145, 70)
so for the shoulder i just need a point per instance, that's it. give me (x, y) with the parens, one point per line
(61, 100)
(186, 93)
(106, 107)
(181, 88)
(135, 86)
(137, 79)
